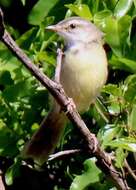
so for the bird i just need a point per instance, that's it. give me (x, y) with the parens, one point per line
(83, 73)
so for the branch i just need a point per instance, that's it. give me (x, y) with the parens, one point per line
(2, 186)
(103, 161)
(64, 154)
(130, 171)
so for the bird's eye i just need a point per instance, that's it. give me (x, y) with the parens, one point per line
(72, 26)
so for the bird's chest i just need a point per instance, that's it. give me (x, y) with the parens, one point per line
(82, 76)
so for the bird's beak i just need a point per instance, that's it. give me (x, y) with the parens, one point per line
(54, 28)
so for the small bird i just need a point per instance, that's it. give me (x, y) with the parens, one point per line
(83, 74)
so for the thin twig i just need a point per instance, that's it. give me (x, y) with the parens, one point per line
(58, 93)
(130, 170)
(64, 153)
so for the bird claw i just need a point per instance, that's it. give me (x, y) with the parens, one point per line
(70, 105)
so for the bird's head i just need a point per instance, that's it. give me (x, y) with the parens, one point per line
(77, 29)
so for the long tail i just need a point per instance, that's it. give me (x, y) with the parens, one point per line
(45, 140)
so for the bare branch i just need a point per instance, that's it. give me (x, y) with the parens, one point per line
(64, 153)
(103, 161)
(130, 170)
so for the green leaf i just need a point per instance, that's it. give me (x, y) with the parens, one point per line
(5, 78)
(23, 2)
(47, 57)
(90, 175)
(115, 35)
(40, 10)
(100, 18)
(27, 38)
(81, 10)
(130, 89)
(122, 8)
(12, 172)
(124, 64)
(107, 133)
(19, 90)
(132, 118)
(8, 141)
(125, 143)
(112, 89)
(6, 3)
(120, 156)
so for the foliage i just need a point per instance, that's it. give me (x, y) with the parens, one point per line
(24, 101)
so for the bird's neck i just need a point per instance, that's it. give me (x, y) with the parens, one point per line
(75, 43)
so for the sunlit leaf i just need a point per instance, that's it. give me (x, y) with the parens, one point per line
(112, 89)
(40, 10)
(81, 10)
(132, 118)
(120, 156)
(107, 133)
(12, 172)
(115, 35)
(23, 2)
(130, 89)
(122, 8)
(124, 143)
(124, 63)
(90, 175)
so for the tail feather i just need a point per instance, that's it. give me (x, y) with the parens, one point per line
(45, 140)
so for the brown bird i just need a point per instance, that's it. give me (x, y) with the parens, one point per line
(83, 74)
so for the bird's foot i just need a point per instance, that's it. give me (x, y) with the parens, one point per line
(70, 105)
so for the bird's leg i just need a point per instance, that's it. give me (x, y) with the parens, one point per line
(71, 105)
(58, 66)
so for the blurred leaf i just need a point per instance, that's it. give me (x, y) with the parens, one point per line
(8, 140)
(122, 8)
(27, 38)
(120, 156)
(100, 18)
(81, 10)
(12, 172)
(101, 110)
(124, 64)
(114, 108)
(40, 10)
(112, 89)
(91, 175)
(35, 127)
(125, 143)
(5, 78)
(6, 3)
(46, 57)
(107, 133)
(20, 89)
(130, 88)
(115, 35)
(132, 118)
(23, 2)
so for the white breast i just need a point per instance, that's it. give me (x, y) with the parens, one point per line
(83, 73)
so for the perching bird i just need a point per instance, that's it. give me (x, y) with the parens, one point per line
(83, 74)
